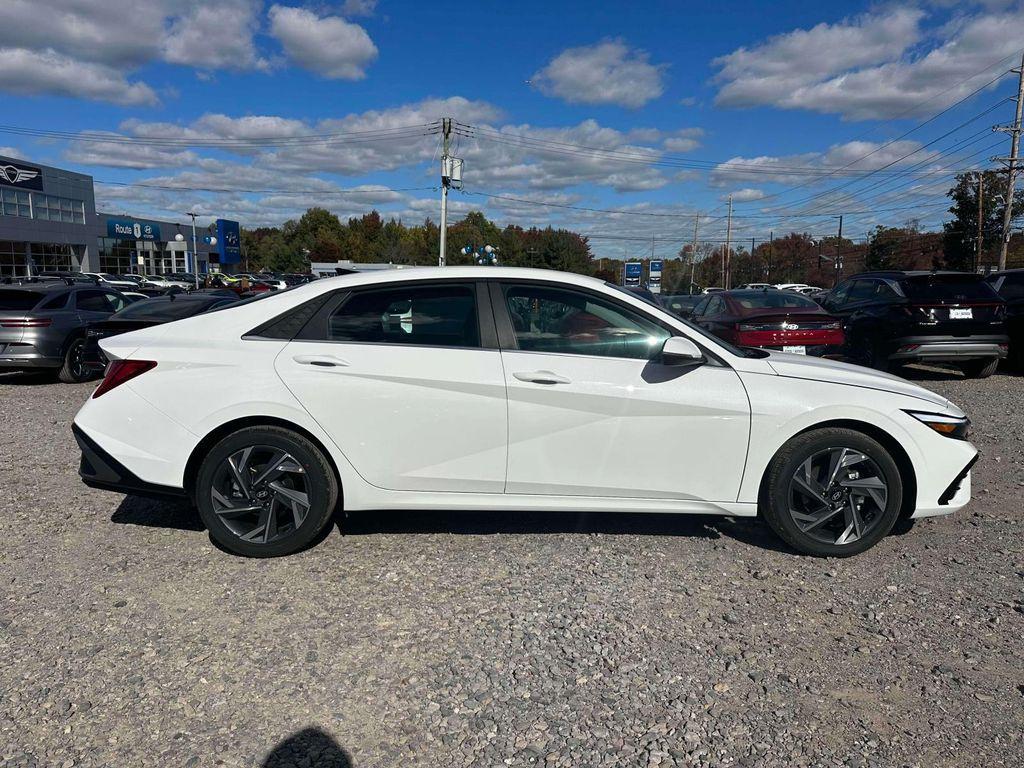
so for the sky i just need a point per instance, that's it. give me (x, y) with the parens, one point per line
(628, 122)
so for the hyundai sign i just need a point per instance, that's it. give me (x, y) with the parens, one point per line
(129, 229)
(654, 278)
(633, 272)
(229, 241)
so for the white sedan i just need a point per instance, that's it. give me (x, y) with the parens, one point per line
(506, 389)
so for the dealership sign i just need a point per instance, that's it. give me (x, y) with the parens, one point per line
(129, 229)
(18, 175)
(229, 241)
(654, 276)
(632, 273)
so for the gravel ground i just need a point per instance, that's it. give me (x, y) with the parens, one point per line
(448, 639)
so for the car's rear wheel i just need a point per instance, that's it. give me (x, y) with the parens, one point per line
(73, 371)
(265, 491)
(832, 492)
(979, 369)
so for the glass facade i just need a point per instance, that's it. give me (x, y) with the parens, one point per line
(144, 257)
(36, 205)
(12, 258)
(49, 257)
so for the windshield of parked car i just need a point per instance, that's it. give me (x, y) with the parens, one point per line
(947, 289)
(162, 309)
(772, 300)
(13, 300)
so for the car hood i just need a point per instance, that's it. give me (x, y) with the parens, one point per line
(821, 369)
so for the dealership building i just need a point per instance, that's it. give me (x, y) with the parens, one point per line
(49, 221)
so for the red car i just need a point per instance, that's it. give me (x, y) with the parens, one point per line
(773, 319)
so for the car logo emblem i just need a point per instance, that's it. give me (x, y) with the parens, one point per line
(790, 327)
(17, 175)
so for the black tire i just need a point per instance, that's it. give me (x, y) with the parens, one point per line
(73, 371)
(777, 490)
(979, 369)
(319, 485)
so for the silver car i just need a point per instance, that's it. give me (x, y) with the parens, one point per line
(42, 325)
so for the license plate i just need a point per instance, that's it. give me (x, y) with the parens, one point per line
(795, 350)
(961, 314)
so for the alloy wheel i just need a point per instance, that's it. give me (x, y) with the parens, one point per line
(837, 496)
(260, 493)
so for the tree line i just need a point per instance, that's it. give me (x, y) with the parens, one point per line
(320, 236)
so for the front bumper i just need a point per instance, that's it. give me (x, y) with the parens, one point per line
(98, 469)
(950, 348)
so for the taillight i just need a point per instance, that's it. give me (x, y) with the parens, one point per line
(30, 322)
(120, 371)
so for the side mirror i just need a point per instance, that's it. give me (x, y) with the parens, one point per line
(678, 350)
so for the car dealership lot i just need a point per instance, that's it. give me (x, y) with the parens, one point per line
(486, 639)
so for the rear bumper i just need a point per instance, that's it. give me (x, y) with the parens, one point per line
(98, 469)
(950, 347)
(15, 357)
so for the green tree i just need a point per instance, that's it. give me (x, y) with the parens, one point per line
(961, 233)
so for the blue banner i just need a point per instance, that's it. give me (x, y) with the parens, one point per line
(129, 229)
(633, 272)
(655, 273)
(229, 241)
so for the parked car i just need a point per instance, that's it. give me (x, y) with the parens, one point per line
(757, 286)
(471, 387)
(892, 318)
(67, 276)
(1009, 284)
(712, 289)
(791, 286)
(42, 325)
(112, 281)
(682, 304)
(143, 314)
(808, 290)
(780, 320)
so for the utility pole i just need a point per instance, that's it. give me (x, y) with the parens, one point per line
(1011, 175)
(693, 253)
(725, 254)
(981, 193)
(771, 254)
(446, 132)
(839, 255)
(195, 253)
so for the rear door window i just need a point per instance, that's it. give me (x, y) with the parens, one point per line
(1010, 286)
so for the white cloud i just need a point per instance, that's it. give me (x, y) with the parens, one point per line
(216, 36)
(28, 72)
(746, 195)
(94, 46)
(119, 154)
(605, 73)
(869, 67)
(328, 45)
(848, 159)
(359, 7)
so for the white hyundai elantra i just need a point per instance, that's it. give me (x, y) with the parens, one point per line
(506, 389)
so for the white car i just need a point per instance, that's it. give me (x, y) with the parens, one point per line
(113, 281)
(791, 286)
(506, 389)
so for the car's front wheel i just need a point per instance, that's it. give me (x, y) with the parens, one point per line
(832, 492)
(265, 491)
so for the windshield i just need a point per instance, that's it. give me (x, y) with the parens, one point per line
(947, 289)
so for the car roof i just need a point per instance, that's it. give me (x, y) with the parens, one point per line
(897, 273)
(43, 286)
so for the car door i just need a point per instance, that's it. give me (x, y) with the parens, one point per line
(407, 383)
(713, 317)
(592, 411)
(96, 304)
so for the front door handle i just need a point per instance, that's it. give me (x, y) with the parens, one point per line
(541, 377)
(323, 361)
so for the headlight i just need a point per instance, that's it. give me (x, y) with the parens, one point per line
(956, 427)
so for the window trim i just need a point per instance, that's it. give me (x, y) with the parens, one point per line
(506, 331)
(315, 328)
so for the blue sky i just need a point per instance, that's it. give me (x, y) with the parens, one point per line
(657, 110)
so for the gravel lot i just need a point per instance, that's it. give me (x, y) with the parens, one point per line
(127, 639)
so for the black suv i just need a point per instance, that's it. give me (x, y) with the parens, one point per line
(891, 318)
(42, 324)
(1010, 285)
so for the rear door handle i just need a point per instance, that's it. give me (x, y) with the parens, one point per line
(541, 377)
(323, 361)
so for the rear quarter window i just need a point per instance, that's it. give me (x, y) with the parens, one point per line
(18, 301)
